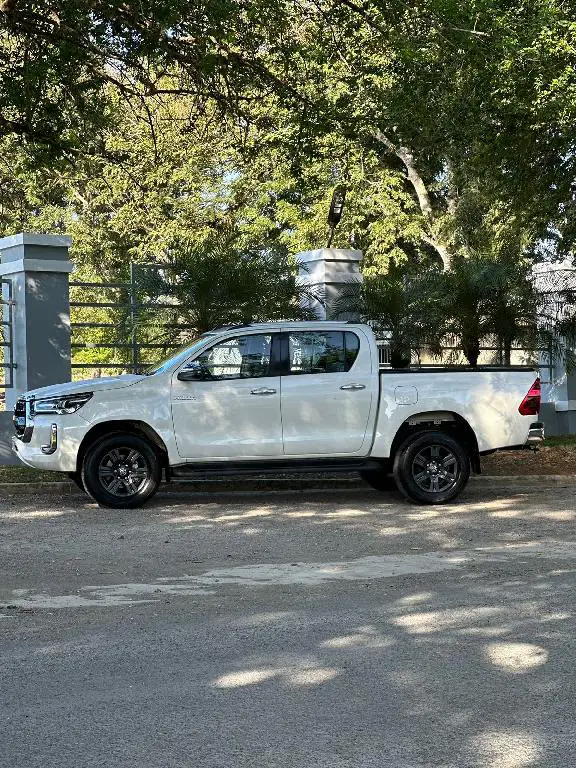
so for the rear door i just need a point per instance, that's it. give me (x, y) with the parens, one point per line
(329, 389)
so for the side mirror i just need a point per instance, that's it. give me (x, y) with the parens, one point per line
(195, 371)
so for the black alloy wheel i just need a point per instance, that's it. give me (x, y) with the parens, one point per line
(431, 468)
(121, 471)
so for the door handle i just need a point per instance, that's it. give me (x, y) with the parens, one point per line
(263, 391)
(353, 386)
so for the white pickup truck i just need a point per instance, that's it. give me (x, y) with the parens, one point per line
(278, 397)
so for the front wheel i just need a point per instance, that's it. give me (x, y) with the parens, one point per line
(431, 468)
(121, 471)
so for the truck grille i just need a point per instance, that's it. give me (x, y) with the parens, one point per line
(19, 418)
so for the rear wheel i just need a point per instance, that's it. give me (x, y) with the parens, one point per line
(379, 479)
(121, 471)
(431, 468)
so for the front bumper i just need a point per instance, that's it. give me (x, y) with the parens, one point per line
(50, 445)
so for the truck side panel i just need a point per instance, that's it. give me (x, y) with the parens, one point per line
(487, 400)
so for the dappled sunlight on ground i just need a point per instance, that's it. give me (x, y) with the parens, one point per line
(516, 658)
(267, 511)
(381, 517)
(506, 748)
(418, 597)
(33, 514)
(381, 633)
(554, 515)
(304, 672)
(478, 641)
(365, 637)
(439, 621)
(228, 518)
(446, 527)
(341, 513)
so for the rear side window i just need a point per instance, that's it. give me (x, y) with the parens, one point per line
(322, 352)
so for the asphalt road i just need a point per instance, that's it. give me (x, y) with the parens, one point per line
(341, 629)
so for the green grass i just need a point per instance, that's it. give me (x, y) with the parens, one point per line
(27, 475)
(566, 441)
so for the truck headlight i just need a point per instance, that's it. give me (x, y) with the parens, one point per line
(62, 404)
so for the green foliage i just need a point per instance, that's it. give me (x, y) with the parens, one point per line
(161, 177)
(150, 130)
(482, 94)
(218, 282)
(403, 307)
(484, 299)
(481, 302)
(487, 300)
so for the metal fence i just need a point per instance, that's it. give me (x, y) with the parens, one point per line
(113, 328)
(452, 354)
(7, 335)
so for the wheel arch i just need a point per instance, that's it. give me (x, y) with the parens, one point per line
(451, 423)
(128, 426)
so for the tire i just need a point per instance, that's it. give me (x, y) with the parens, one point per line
(76, 478)
(121, 471)
(431, 468)
(379, 479)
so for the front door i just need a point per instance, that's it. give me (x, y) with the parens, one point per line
(230, 407)
(328, 392)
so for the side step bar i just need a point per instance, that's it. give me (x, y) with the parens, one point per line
(224, 468)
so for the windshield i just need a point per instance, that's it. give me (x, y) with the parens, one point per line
(177, 356)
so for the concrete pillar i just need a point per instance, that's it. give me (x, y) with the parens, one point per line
(333, 277)
(558, 410)
(37, 267)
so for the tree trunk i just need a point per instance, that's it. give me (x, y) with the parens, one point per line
(507, 351)
(399, 357)
(423, 196)
(471, 349)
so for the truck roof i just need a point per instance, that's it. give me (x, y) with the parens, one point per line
(290, 324)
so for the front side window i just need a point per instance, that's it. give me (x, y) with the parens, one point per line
(322, 352)
(178, 356)
(244, 357)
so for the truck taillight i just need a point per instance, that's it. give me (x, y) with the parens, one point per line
(530, 406)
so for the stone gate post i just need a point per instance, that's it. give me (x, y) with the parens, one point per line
(333, 277)
(37, 267)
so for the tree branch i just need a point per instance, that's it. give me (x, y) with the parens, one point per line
(440, 249)
(405, 155)
(452, 195)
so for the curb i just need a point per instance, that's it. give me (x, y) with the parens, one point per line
(492, 482)
(532, 481)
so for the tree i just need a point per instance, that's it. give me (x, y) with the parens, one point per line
(454, 97)
(219, 282)
(160, 176)
(61, 57)
(446, 103)
(403, 307)
(485, 300)
(447, 93)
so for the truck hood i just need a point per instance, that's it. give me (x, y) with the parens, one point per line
(86, 385)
